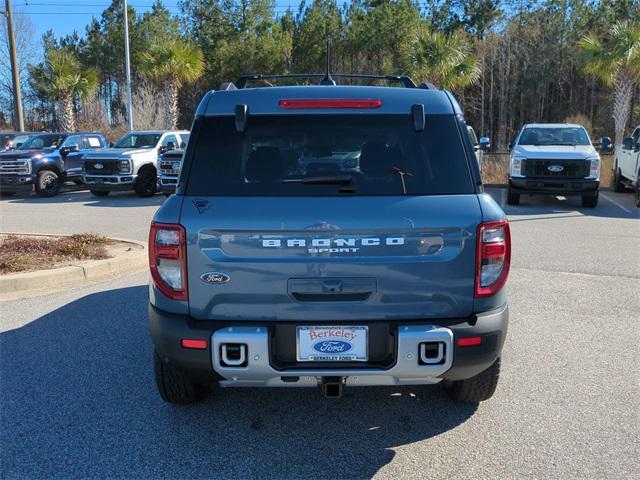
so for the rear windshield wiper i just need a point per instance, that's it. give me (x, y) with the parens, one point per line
(329, 180)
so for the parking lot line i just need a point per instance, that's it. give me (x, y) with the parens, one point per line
(616, 203)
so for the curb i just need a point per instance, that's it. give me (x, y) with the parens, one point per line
(90, 270)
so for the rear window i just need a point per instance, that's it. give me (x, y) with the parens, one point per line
(329, 155)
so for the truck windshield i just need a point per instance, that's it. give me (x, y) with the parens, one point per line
(329, 155)
(138, 140)
(40, 142)
(554, 136)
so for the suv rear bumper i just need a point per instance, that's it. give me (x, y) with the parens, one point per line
(554, 186)
(167, 331)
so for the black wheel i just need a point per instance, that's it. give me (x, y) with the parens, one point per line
(100, 193)
(174, 386)
(146, 183)
(616, 179)
(475, 389)
(6, 194)
(47, 184)
(590, 201)
(513, 198)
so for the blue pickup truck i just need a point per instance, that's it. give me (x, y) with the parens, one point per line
(328, 236)
(45, 161)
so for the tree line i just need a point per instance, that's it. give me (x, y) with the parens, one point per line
(509, 62)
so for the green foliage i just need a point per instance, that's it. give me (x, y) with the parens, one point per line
(447, 60)
(173, 61)
(618, 51)
(61, 74)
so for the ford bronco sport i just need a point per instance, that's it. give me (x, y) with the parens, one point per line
(328, 236)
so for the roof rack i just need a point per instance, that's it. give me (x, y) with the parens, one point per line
(245, 79)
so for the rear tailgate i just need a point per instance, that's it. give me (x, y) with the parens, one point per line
(331, 258)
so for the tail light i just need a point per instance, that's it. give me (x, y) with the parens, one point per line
(321, 103)
(168, 259)
(493, 257)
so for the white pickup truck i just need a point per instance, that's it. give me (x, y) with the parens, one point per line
(626, 168)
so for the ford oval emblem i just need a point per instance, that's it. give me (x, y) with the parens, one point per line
(332, 346)
(555, 168)
(98, 166)
(215, 277)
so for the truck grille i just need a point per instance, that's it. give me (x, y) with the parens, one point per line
(15, 167)
(570, 168)
(170, 167)
(108, 166)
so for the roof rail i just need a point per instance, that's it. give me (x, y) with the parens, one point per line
(245, 79)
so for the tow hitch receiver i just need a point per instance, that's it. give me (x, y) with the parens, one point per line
(332, 386)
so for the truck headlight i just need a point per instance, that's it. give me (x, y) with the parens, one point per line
(594, 168)
(124, 166)
(515, 166)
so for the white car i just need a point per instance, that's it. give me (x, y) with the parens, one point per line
(626, 168)
(554, 159)
(131, 163)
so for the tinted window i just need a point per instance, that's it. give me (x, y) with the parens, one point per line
(329, 155)
(138, 140)
(554, 136)
(42, 141)
(73, 140)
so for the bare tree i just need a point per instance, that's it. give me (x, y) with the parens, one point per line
(149, 107)
(27, 49)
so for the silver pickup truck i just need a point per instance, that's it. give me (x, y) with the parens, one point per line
(170, 165)
(131, 163)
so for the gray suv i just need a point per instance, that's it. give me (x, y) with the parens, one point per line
(328, 236)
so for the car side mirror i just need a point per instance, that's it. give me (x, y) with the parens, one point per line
(606, 145)
(627, 143)
(171, 146)
(69, 149)
(183, 145)
(485, 144)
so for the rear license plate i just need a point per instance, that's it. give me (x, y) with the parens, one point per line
(332, 344)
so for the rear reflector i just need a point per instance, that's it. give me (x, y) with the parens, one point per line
(194, 343)
(469, 341)
(319, 103)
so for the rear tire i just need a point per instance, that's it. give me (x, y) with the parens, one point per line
(590, 201)
(513, 198)
(47, 184)
(475, 389)
(99, 193)
(146, 183)
(616, 183)
(174, 386)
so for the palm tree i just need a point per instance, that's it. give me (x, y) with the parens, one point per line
(173, 63)
(447, 60)
(61, 78)
(615, 60)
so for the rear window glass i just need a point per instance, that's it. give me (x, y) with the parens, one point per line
(329, 155)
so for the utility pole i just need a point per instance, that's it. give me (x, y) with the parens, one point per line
(127, 67)
(18, 119)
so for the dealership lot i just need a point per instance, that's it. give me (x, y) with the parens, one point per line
(78, 397)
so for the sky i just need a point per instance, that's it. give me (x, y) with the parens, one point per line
(65, 16)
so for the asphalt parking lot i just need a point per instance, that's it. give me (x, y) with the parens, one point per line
(78, 400)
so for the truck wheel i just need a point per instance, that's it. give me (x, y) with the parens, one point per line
(47, 184)
(146, 183)
(513, 198)
(475, 389)
(590, 201)
(100, 193)
(616, 183)
(175, 387)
